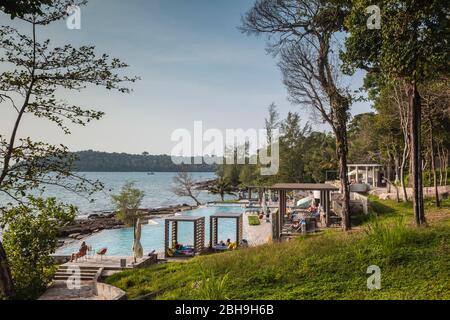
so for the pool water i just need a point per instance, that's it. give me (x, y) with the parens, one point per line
(120, 241)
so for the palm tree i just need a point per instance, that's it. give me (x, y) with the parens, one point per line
(222, 187)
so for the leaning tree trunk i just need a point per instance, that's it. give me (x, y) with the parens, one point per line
(415, 110)
(341, 149)
(6, 283)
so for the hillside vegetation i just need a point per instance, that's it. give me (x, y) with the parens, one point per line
(330, 265)
(95, 161)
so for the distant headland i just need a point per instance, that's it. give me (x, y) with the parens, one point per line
(97, 161)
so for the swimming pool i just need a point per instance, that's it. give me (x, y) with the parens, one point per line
(120, 241)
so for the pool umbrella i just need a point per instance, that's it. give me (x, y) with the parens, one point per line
(263, 204)
(137, 247)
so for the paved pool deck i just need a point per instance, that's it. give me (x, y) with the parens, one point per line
(257, 235)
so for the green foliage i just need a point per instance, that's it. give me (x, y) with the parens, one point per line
(305, 156)
(331, 265)
(29, 238)
(253, 221)
(19, 8)
(127, 203)
(411, 43)
(33, 76)
(222, 187)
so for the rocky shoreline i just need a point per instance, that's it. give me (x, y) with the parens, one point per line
(205, 185)
(96, 222)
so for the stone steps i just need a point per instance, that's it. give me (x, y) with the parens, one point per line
(65, 272)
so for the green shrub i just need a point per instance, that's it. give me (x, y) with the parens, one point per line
(211, 287)
(30, 237)
(387, 235)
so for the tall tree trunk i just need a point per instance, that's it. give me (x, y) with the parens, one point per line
(397, 167)
(388, 173)
(446, 166)
(441, 165)
(433, 160)
(6, 284)
(415, 110)
(341, 149)
(402, 171)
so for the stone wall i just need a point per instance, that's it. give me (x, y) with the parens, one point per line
(107, 292)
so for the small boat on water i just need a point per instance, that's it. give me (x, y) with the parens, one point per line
(150, 173)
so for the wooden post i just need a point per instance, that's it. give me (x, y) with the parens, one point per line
(166, 237)
(175, 231)
(211, 232)
(327, 207)
(373, 177)
(367, 175)
(200, 234)
(195, 236)
(281, 213)
(241, 226)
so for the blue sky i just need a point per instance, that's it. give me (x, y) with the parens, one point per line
(194, 64)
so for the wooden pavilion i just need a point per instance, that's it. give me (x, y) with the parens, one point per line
(171, 231)
(214, 226)
(283, 188)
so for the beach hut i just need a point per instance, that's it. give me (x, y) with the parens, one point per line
(282, 188)
(171, 232)
(214, 226)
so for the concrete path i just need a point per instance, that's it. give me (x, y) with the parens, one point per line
(60, 291)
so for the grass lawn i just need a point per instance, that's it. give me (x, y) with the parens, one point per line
(414, 264)
(253, 221)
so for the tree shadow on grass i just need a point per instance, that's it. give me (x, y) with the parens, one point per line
(376, 208)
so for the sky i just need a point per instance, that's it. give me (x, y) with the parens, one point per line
(194, 65)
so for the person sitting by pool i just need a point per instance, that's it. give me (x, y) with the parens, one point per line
(231, 245)
(244, 243)
(312, 209)
(81, 253)
(296, 226)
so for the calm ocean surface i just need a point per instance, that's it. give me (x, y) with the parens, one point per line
(157, 189)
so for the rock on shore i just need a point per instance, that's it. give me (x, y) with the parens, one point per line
(96, 222)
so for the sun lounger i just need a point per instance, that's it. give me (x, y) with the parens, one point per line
(102, 252)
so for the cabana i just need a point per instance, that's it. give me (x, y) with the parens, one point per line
(214, 226)
(283, 188)
(366, 173)
(260, 190)
(199, 231)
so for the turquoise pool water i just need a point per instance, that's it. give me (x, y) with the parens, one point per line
(120, 241)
